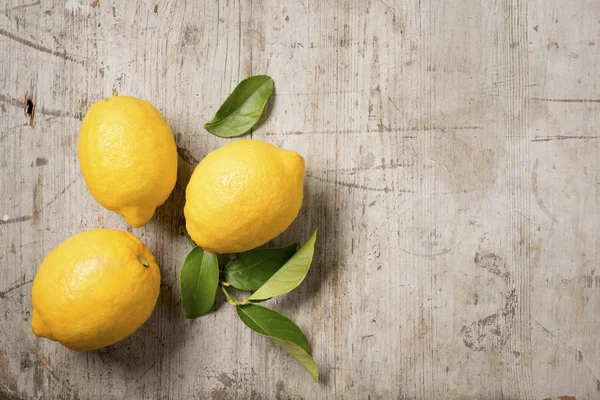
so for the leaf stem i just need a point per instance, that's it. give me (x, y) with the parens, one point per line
(230, 299)
(187, 236)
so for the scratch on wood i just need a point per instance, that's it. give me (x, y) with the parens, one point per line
(387, 6)
(37, 200)
(311, 205)
(394, 104)
(15, 220)
(41, 110)
(576, 352)
(356, 186)
(149, 368)
(38, 47)
(536, 191)
(551, 138)
(379, 129)
(565, 100)
(11, 100)
(60, 113)
(431, 255)
(56, 197)
(19, 7)
(45, 363)
(15, 287)
(390, 166)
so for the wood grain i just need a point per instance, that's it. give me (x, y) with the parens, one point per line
(452, 160)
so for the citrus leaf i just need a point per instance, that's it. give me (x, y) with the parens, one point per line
(282, 330)
(250, 269)
(198, 282)
(243, 108)
(290, 275)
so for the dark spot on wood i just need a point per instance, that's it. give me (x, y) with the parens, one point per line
(516, 353)
(493, 263)
(287, 19)
(226, 380)
(536, 28)
(29, 107)
(39, 162)
(191, 35)
(483, 335)
(26, 362)
(492, 332)
(552, 46)
(219, 395)
(567, 398)
(187, 156)
(38, 375)
(280, 387)
(95, 3)
(156, 9)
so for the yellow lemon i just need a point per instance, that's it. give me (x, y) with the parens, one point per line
(128, 157)
(94, 289)
(242, 195)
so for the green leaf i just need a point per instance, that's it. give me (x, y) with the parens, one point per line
(290, 275)
(243, 108)
(250, 269)
(198, 282)
(282, 330)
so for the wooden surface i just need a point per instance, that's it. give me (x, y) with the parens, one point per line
(452, 153)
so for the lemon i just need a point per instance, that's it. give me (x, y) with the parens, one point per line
(94, 289)
(242, 195)
(128, 157)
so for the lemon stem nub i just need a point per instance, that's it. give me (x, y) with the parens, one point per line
(144, 261)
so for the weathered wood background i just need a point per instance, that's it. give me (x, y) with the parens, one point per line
(452, 153)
